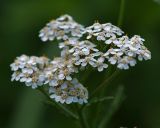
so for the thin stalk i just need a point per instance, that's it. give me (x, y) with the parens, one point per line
(102, 94)
(60, 106)
(99, 100)
(105, 82)
(82, 119)
(121, 13)
(119, 97)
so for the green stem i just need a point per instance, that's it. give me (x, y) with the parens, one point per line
(82, 118)
(121, 13)
(60, 106)
(99, 100)
(119, 97)
(105, 82)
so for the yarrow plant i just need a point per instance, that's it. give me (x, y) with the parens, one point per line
(97, 46)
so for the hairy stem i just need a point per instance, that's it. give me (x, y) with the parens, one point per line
(121, 13)
(60, 106)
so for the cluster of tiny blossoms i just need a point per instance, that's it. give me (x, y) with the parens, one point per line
(98, 46)
(29, 70)
(61, 29)
(69, 92)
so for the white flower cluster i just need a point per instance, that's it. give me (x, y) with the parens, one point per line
(125, 51)
(60, 69)
(38, 71)
(29, 70)
(61, 29)
(69, 92)
(84, 49)
(84, 53)
(103, 32)
(97, 46)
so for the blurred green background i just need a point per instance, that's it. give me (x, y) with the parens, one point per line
(20, 22)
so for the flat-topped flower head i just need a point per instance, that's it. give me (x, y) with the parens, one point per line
(134, 47)
(29, 70)
(126, 50)
(84, 52)
(69, 92)
(102, 32)
(62, 28)
(60, 69)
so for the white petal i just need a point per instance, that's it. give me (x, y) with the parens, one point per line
(69, 100)
(61, 76)
(105, 65)
(68, 78)
(100, 68)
